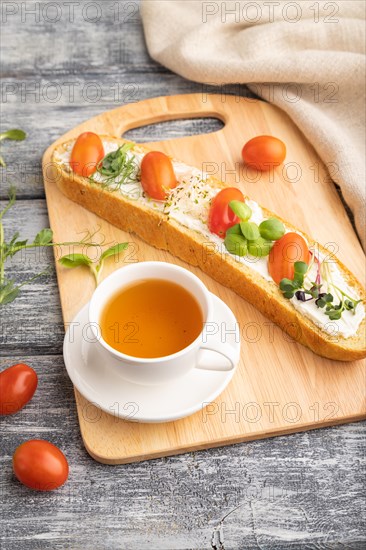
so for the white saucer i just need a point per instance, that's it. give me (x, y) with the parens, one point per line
(85, 364)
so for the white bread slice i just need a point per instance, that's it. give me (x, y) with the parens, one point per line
(156, 229)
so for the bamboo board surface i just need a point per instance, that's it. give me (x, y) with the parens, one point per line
(280, 386)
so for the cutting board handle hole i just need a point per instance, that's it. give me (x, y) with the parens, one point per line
(173, 129)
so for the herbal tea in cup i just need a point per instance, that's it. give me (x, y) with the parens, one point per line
(148, 320)
(151, 318)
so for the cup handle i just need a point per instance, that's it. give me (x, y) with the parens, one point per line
(228, 352)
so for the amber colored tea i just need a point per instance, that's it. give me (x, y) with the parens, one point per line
(151, 318)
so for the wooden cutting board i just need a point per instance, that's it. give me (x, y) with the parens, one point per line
(280, 387)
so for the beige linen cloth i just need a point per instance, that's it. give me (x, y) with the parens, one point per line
(317, 47)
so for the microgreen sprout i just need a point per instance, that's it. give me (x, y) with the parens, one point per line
(323, 300)
(116, 168)
(255, 240)
(9, 288)
(240, 209)
(334, 311)
(13, 135)
(272, 229)
(76, 260)
(290, 287)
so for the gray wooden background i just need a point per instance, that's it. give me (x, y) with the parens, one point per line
(61, 64)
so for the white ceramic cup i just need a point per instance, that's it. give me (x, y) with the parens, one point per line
(161, 369)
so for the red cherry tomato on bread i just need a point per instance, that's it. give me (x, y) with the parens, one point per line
(40, 465)
(86, 154)
(264, 152)
(17, 386)
(284, 253)
(221, 217)
(157, 175)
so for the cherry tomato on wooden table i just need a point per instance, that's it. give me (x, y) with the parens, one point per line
(40, 465)
(86, 154)
(157, 175)
(285, 252)
(221, 217)
(17, 386)
(264, 152)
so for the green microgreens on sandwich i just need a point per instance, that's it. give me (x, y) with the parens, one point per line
(346, 302)
(116, 168)
(295, 287)
(334, 311)
(326, 301)
(247, 237)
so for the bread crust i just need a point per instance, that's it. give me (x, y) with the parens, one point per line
(166, 234)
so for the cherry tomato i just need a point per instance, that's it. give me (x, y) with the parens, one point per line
(221, 217)
(40, 465)
(86, 154)
(285, 252)
(157, 175)
(264, 152)
(17, 386)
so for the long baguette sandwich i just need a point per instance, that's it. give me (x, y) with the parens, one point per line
(277, 268)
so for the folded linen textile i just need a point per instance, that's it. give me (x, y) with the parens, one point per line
(308, 58)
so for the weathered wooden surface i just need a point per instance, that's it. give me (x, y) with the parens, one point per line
(300, 491)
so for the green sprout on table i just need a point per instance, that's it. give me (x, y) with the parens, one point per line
(10, 289)
(76, 260)
(13, 135)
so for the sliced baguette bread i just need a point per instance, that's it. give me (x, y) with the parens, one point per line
(157, 229)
